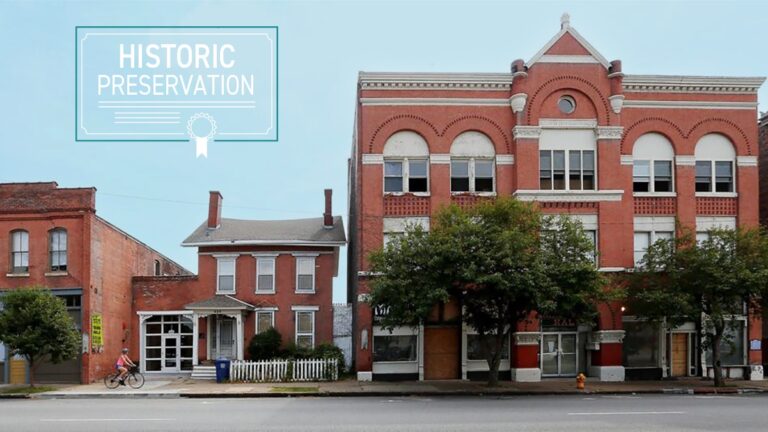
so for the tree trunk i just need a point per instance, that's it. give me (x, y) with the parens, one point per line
(718, 336)
(494, 359)
(31, 361)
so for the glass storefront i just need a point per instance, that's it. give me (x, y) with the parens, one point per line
(168, 343)
(641, 345)
(394, 348)
(475, 348)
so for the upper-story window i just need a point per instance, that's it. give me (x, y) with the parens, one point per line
(652, 158)
(158, 268)
(19, 251)
(472, 163)
(57, 249)
(305, 274)
(567, 160)
(265, 274)
(644, 239)
(715, 161)
(406, 163)
(225, 283)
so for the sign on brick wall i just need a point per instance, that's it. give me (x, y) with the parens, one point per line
(97, 331)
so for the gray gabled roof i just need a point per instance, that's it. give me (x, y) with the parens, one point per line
(269, 232)
(220, 301)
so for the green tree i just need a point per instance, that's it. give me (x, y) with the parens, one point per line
(35, 324)
(706, 282)
(502, 260)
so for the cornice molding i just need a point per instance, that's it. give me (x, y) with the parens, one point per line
(373, 159)
(434, 102)
(610, 132)
(691, 84)
(685, 160)
(568, 196)
(526, 132)
(440, 159)
(435, 81)
(627, 160)
(506, 159)
(713, 105)
(546, 123)
(554, 58)
(746, 161)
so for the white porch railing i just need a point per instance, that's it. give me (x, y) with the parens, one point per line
(284, 370)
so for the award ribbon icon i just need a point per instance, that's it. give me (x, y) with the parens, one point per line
(197, 123)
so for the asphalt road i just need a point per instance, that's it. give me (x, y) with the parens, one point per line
(445, 414)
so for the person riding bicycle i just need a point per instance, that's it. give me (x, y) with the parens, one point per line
(123, 362)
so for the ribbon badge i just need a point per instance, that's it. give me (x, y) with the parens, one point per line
(201, 127)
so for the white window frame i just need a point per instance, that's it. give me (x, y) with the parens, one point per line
(58, 232)
(652, 176)
(270, 311)
(21, 251)
(219, 260)
(567, 180)
(311, 310)
(653, 236)
(406, 174)
(713, 177)
(259, 259)
(471, 173)
(313, 258)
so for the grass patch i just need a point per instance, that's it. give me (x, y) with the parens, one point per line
(287, 389)
(27, 390)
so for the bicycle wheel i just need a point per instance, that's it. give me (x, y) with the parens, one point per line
(110, 381)
(135, 380)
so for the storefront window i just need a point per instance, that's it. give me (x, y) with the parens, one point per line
(475, 347)
(641, 344)
(731, 347)
(394, 348)
(168, 343)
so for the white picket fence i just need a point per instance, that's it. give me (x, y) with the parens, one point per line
(284, 370)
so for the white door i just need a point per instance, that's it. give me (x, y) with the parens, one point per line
(170, 361)
(226, 338)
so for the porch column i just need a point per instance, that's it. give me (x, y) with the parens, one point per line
(239, 332)
(195, 334)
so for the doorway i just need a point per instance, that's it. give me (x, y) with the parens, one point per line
(559, 354)
(223, 344)
(170, 353)
(442, 351)
(681, 354)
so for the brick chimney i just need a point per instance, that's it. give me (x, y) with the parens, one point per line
(328, 215)
(214, 210)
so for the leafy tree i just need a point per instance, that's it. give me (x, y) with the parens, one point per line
(706, 282)
(35, 324)
(266, 345)
(496, 260)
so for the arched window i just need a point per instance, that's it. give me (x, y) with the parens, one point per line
(472, 167)
(406, 163)
(715, 157)
(57, 249)
(19, 251)
(652, 158)
(158, 269)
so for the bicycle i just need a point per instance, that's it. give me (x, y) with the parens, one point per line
(133, 378)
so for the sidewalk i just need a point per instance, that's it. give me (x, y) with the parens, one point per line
(188, 388)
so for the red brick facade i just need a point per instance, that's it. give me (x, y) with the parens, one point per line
(101, 260)
(519, 113)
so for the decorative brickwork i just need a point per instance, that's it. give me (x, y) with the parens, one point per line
(468, 200)
(406, 205)
(567, 207)
(655, 205)
(716, 206)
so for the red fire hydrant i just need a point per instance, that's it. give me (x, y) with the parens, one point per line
(580, 380)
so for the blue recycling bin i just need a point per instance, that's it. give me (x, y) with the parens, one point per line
(222, 370)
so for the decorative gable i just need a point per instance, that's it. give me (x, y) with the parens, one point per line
(568, 46)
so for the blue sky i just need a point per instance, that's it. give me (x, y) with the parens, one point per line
(158, 191)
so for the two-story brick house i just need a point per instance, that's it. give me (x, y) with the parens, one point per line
(252, 275)
(51, 237)
(628, 155)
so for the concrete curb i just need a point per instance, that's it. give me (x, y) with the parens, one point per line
(243, 395)
(15, 396)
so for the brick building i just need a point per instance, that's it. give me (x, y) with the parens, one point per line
(627, 155)
(252, 275)
(51, 237)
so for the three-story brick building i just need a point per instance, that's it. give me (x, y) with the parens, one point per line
(627, 155)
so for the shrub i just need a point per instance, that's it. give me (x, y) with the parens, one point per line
(266, 345)
(293, 351)
(330, 351)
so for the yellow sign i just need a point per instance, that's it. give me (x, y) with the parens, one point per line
(97, 335)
